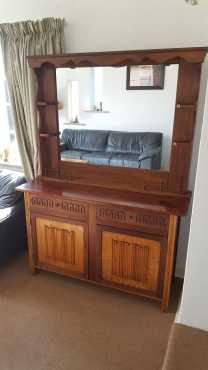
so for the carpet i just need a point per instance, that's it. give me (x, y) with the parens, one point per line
(49, 322)
(187, 349)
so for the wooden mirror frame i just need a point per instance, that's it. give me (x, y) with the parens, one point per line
(155, 181)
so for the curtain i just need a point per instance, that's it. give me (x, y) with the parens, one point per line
(19, 40)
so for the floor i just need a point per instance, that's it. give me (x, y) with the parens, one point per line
(187, 349)
(49, 322)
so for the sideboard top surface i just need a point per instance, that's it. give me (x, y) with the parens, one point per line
(176, 204)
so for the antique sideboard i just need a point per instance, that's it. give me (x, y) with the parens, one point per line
(116, 227)
(108, 237)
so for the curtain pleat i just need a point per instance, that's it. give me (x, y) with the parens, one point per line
(19, 40)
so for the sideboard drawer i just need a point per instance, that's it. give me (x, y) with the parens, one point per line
(156, 222)
(59, 207)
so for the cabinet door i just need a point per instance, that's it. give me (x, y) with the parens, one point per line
(130, 261)
(61, 245)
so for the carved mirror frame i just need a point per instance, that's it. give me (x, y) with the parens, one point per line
(157, 181)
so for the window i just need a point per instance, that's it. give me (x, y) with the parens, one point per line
(73, 96)
(98, 87)
(9, 153)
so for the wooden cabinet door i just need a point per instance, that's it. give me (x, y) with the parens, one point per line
(130, 261)
(61, 245)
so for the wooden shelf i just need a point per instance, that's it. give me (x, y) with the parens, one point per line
(74, 124)
(46, 134)
(45, 104)
(97, 111)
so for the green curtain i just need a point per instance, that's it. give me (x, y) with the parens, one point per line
(19, 40)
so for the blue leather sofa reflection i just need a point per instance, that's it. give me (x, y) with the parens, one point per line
(113, 148)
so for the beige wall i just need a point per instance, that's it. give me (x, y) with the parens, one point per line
(194, 303)
(118, 24)
(185, 221)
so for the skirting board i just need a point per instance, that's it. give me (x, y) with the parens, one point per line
(180, 272)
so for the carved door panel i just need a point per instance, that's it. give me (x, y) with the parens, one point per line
(130, 261)
(61, 245)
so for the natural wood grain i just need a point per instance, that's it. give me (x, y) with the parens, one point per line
(60, 244)
(60, 217)
(169, 262)
(130, 260)
(31, 256)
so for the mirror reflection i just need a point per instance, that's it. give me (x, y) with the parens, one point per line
(117, 116)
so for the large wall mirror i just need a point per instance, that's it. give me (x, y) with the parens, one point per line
(122, 120)
(105, 121)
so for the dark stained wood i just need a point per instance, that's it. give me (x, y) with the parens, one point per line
(31, 252)
(188, 83)
(189, 60)
(132, 206)
(49, 149)
(185, 119)
(121, 58)
(176, 204)
(180, 162)
(183, 131)
(47, 107)
(46, 78)
(114, 177)
(48, 118)
(93, 258)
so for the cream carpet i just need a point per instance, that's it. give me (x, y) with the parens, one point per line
(187, 349)
(48, 322)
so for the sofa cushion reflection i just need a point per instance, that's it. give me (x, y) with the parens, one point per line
(112, 148)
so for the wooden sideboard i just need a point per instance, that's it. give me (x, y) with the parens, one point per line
(112, 226)
(110, 237)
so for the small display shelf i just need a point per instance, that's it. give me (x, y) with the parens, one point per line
(73, 124)
(45, 104)
(46, 134)
(96, 111)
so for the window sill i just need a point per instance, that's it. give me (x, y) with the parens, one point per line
(12, 167)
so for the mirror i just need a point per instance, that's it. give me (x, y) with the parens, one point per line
(117, 116)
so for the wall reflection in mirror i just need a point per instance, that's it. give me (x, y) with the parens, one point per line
(103, 122)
